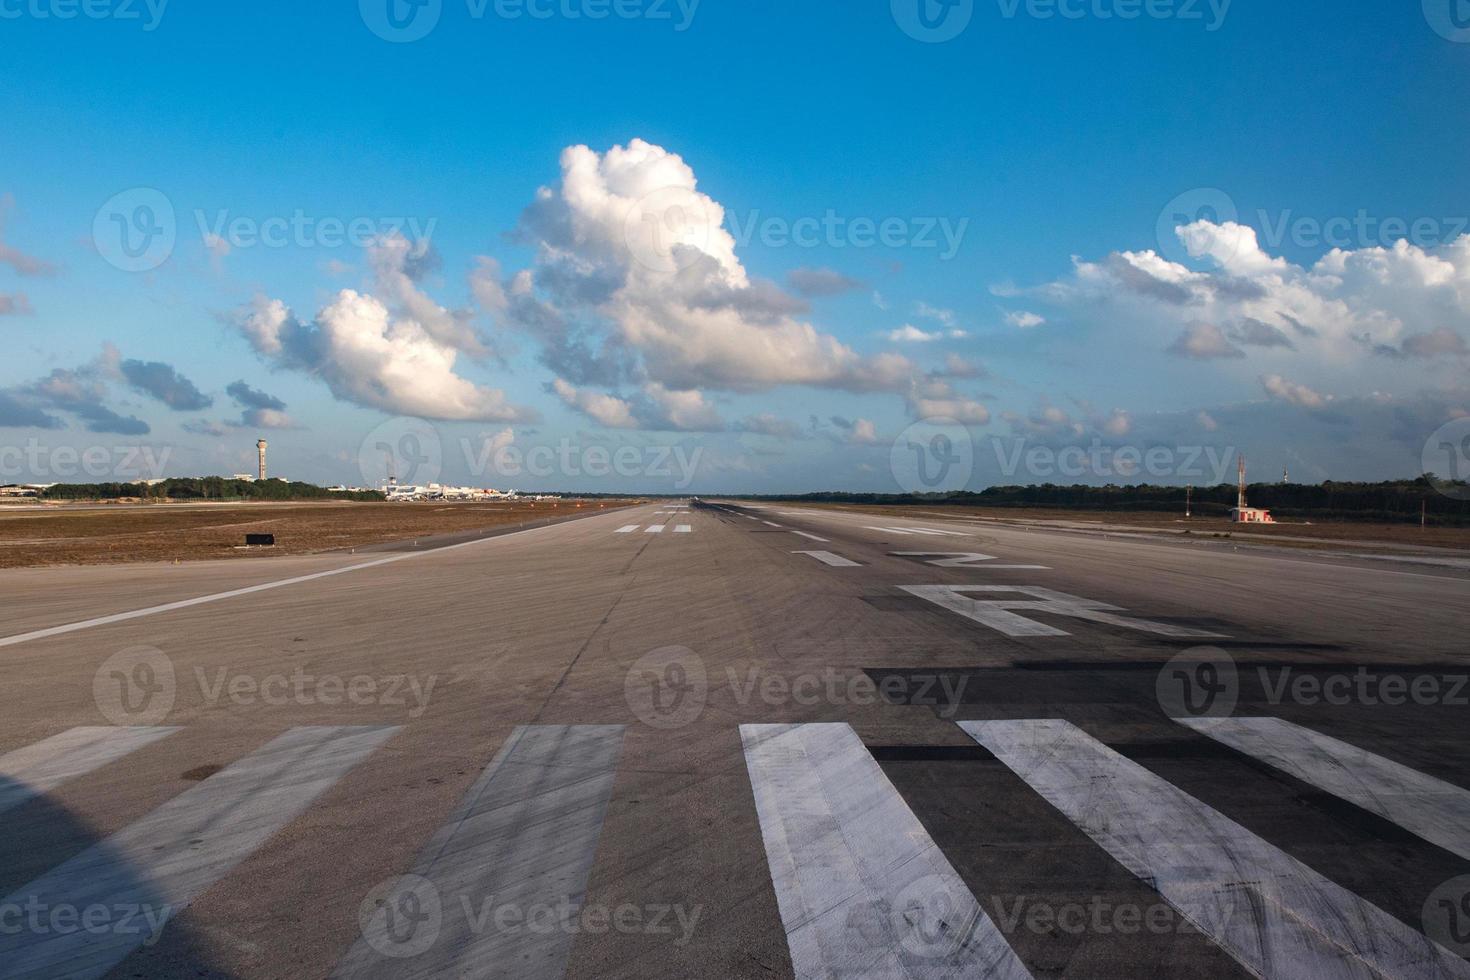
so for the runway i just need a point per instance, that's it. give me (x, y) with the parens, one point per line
(709, 739)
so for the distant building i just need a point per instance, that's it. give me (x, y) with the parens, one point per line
(1251, 515)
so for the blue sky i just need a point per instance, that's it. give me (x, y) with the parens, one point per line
(1032, 171)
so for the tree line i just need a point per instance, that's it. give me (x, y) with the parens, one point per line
(204, 488)
(1388, 501)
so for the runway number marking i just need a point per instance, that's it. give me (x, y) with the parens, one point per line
(1000, 615)
(959, 559)
(1272, 913)
(827, 558)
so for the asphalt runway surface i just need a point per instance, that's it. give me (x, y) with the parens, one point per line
(707, 739)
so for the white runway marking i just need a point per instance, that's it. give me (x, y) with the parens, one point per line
(827, 558)
(811, 536)
(249, 590)
(961, 559)
(654, 529)
(1437, 811)
(169, 858)
(1273, 914)
(38, 769)
(523, 838)
(862, 889)
(996, 613)
(932, 530)
(770, 523)
(627, 529)
(890, 530)
(683, 529)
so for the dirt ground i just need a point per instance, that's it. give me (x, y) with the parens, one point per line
(1287, 533)
(101, 534)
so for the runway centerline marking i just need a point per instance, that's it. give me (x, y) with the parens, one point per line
(811, 536)
(828, 558)
(960, 559)
(861, 887)
(168, 858)
(770, 523)
(41, 634)
(40, 768)
(1273, 914)
(1431, 808)
(998, 615)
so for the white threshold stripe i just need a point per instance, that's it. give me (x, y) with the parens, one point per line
(683, 529)
(828, 558)
(654, 529)
(167, 859)
(891, 530)
(1435, 810)
(1274, 915)
(811, 536)
(524, 837)
(846, 853)
(38, 769)
(627, 529)
(252, 589)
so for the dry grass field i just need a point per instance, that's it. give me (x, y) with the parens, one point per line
(104, 533)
